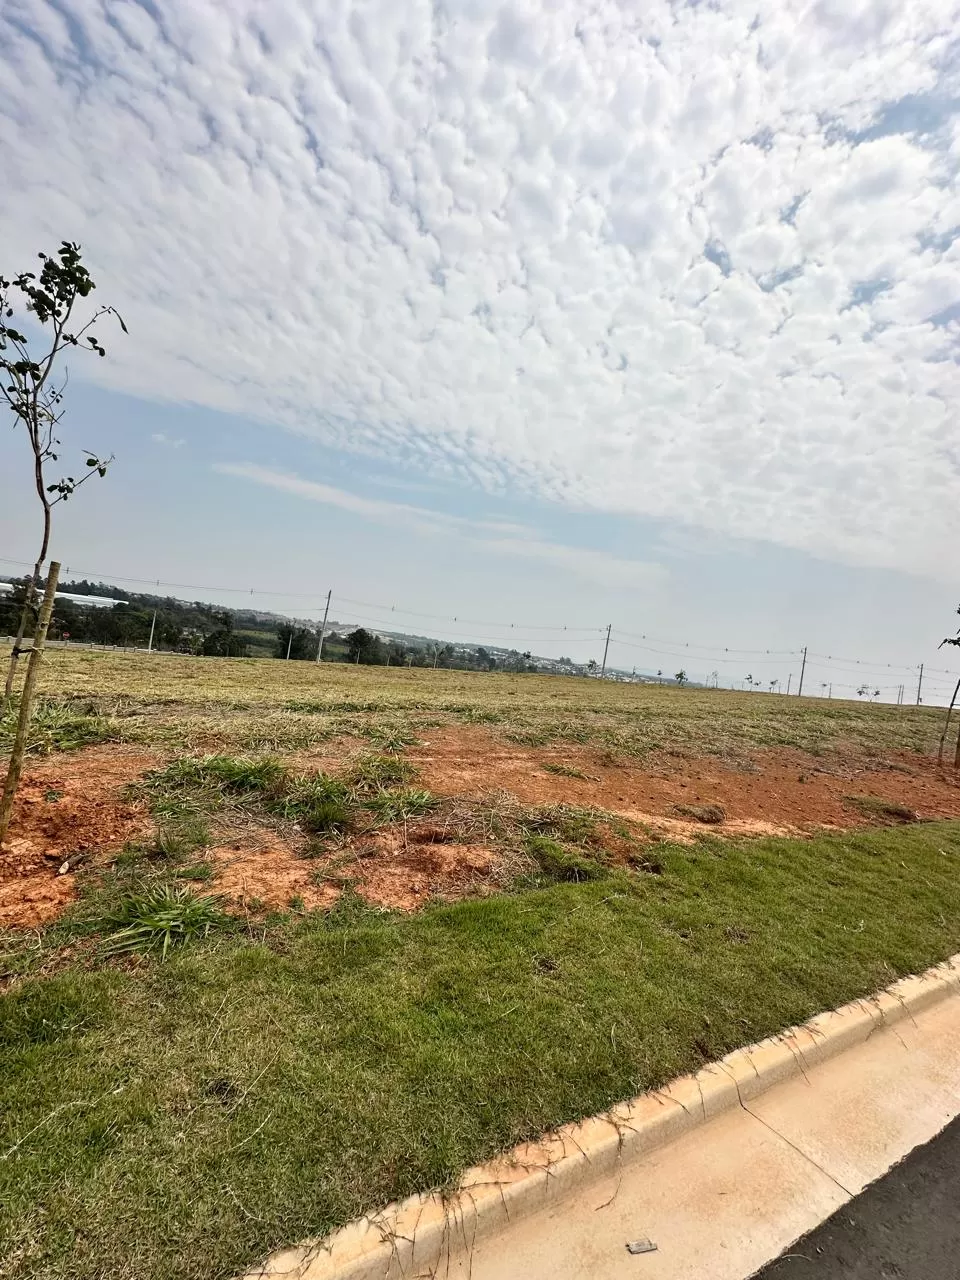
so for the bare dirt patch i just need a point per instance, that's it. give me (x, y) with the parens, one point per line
(771, 791)
(403, 870)
(388, 868)
(258, 871)
(67, 805)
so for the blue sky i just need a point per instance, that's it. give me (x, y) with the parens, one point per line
(558, 314)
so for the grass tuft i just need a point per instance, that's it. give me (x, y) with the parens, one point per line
(159, 917)
(395, 805)
(882, 810)
(180, 834)
(56, 725)
(376, 773)
(566, 771)
(709, 814)
(242, 777)
(558, 865)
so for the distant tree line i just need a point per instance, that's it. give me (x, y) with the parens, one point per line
(208, 631)
(183, 628)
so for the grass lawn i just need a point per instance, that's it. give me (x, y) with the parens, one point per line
(182, 1119)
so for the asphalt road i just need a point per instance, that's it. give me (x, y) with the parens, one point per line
(906, 1226)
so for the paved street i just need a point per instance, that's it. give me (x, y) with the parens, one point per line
(906, 1226)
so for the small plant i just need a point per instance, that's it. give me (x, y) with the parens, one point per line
(33, 385)
(404, 802)
(375, 773)
(566, 771)
(198, 871)
(182, 835)
(160, 917)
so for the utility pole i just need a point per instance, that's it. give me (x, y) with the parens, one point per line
(789, 679)
(323, 629)
(290, 642)
(606, 649)
(803, 667)
(920, 684)
(152, 625)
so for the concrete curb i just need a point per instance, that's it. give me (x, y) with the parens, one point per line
(418, 1236)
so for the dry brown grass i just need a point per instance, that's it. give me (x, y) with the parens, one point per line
(282, 707)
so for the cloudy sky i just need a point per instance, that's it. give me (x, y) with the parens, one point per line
(551, 312)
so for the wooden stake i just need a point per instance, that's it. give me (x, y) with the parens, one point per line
(946, 724)
(17, 752)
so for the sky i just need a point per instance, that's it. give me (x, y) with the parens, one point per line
(502, 318)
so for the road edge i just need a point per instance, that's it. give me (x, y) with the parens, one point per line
(423, 1232)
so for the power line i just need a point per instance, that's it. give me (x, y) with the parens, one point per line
(698, 657)
(678, 649)
(479, 622)
(304, 595)
(497, 641)
(686, 644)
(865, 662)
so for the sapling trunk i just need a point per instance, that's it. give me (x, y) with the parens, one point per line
(17, 752)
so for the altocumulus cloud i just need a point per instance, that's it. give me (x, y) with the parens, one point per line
(696, 262)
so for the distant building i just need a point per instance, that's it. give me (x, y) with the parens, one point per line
(95, 602)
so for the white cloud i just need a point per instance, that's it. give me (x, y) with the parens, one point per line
(168, 442)
(497, 537)
(677, 261)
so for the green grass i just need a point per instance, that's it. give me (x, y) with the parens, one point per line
(319, 802)
(180, 1120)
(56, 725)
(399, 803)
(881, 810)
(160, 917)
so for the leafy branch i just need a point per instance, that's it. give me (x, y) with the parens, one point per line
(33, 392)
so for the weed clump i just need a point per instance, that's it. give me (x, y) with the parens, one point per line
(882, 810)
(558, 865)
(56, 725)
(160, 917)
(708, 814)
